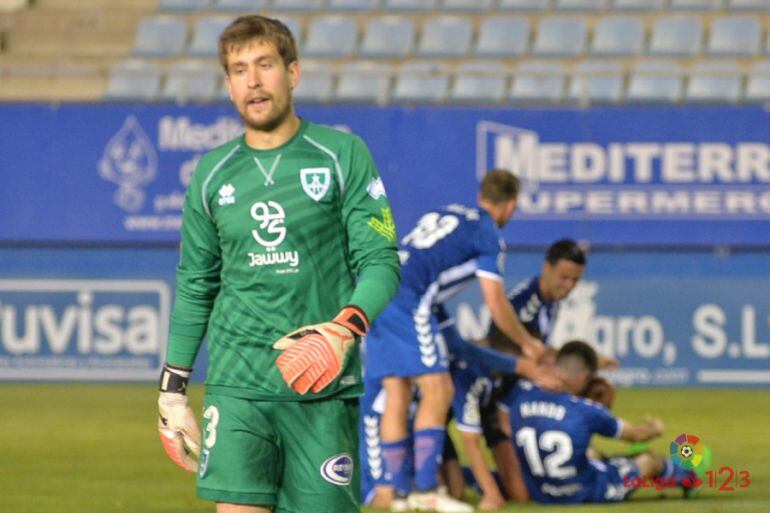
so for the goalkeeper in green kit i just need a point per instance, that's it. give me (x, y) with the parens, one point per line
(288, 253)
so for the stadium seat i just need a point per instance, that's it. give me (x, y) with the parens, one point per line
(293, 24)
(410, 5)
(297, 5)
(331, 36)
(479, 82)
(758, 83)
(654, 81)
(695, 5)
(421, 82)
(353, 5)
(466, 5)
(596, 82)
(737, 35)
(445, 36)
(388, 36)
(192, 80)
(184, 5)
(560, 36)
(363, 81)
(638, 5)
(676, 36)
(618, 35)
(206, 34)
(240, 5)
(524, 5)
(718, 82)
(748, 5)
(538, 81)
(316, 83)
(160, 36)
(581, 5)
(133, 80)
(502, 36)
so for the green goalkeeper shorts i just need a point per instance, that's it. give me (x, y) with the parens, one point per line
(295, 456)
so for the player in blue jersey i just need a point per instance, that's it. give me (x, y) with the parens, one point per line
(552, 432)
(447, 249)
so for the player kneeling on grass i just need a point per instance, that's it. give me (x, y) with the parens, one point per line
(552, 432)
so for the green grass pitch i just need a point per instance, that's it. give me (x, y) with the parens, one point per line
(93, 448)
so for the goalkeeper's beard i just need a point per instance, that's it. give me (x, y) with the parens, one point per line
(279, 113)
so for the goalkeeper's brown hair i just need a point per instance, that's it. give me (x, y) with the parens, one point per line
(499, 186)
(255, 27)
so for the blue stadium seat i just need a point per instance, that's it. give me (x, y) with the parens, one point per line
(466, 5)
(445, 36)
(581, 5)
(638, 5)
(160, 36)
(410, 5)
(538, 81)
(363, 81)
(206, 34)
(736, 35)
(192, 81)
(596, 82)
(654, 81)
(297, 5)
(502, 36)
(421, 82)
(479, 82)
(133, 80)
(714, 82)
(676, 35)
(331, 36)
(293, 24)
(618, 35)
(560, 36)
(316, 82)
(183, 5)
(758, 83)
(695, 5)
(388, 36)
(524, 5)
(240, 5)
(353, 5)
(748, 5)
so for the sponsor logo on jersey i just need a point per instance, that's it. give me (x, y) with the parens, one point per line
(338, 470)
(226, 194)
(315, 181)
(130, 161)
(376, 188)
(385, 226)
(270, 233)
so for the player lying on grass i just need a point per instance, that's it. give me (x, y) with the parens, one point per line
(552, 432)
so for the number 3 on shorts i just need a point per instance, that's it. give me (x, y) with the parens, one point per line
(212, 415)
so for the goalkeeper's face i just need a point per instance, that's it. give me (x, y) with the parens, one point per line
(260, 85)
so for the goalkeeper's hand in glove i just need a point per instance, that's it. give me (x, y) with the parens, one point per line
(179, 432)
(313, 356)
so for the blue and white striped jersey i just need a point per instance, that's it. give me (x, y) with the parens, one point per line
(446, 249)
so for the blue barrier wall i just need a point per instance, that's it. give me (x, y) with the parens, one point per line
(631, 176)
(696, 318)
(113, 177)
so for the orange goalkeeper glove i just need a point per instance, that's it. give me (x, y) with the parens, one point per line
(178, 430)
(313, 355)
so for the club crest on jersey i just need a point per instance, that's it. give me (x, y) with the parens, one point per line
(338, 469)
(315, 181)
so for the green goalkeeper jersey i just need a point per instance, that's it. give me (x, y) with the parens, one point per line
(274, 240)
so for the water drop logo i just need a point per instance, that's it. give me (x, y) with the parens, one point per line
(130, 161)
(686, 451)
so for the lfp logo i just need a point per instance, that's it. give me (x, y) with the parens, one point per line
(687, 451)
